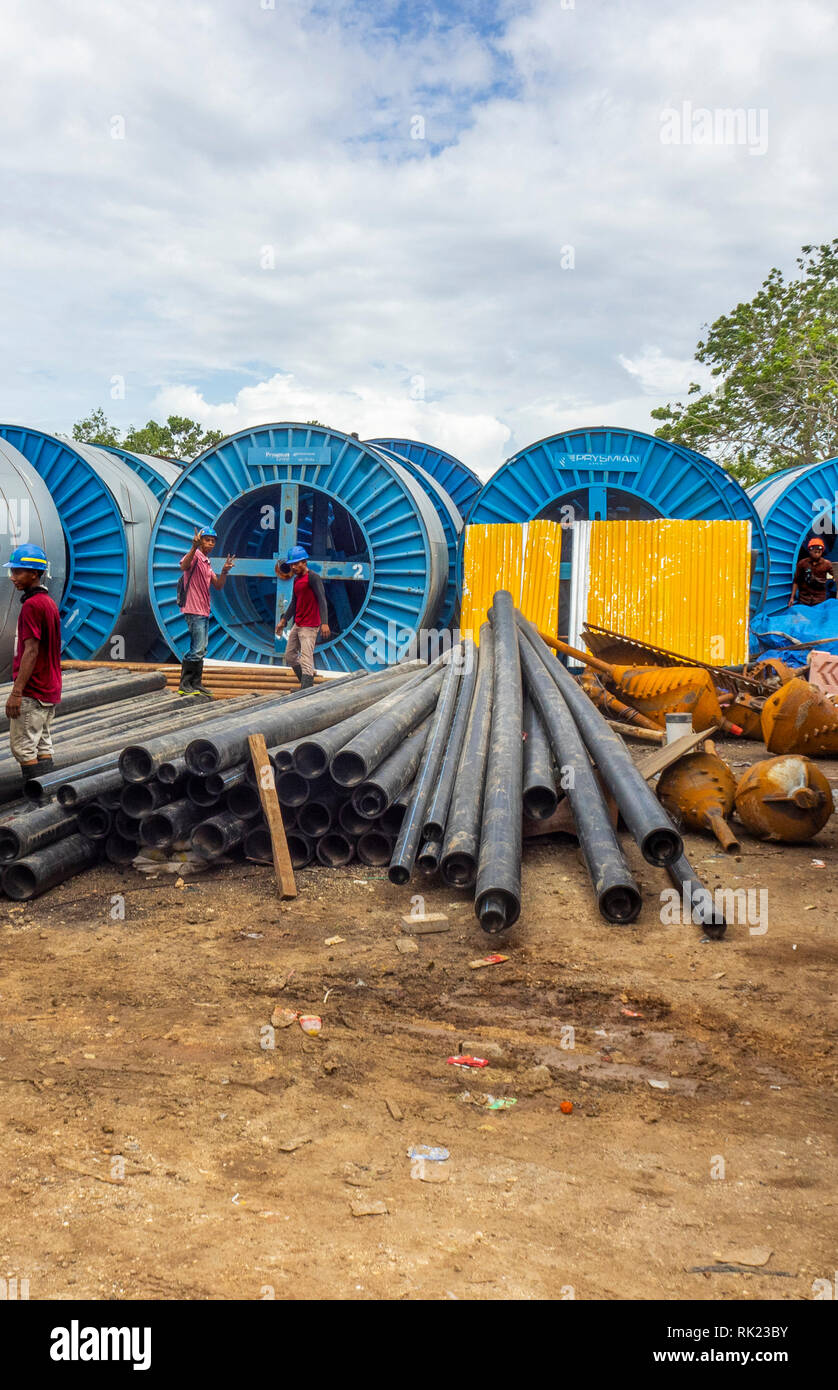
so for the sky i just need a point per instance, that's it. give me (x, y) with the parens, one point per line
(475, 223)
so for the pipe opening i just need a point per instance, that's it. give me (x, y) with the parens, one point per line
(9, 845)
(310, 760)
(135, 764)
(375, 849)
(208, 839)
(662, 846)
(138, 799)
(292, 789)
(335, 850)
(539, 803)
(300, 849)
(459, 870)
(19, 882)
(620, 904)
(348, 768)
(202, 757)
(371, 804)
(156, 831)
(314, 818)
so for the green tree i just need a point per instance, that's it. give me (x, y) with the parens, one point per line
(776, 404)
(96, 429)
(179, 438)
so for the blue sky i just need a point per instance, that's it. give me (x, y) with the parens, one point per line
(458, 221)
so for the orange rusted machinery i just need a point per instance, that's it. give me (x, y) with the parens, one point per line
(610, 705)
(656, 691)
(699, 791)
(745, 710)
(798, 718)
(784, 799)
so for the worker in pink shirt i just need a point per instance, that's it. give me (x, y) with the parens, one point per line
(194, 603)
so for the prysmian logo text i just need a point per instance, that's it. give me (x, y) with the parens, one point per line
(603, 458)
(75, 1343)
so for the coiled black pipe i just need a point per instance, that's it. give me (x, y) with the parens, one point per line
(461, 844)
(643, 814)
(497, 900)
(618, 896)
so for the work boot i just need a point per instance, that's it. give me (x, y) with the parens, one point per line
(28, 771)
(196, 681)
(306, 682)
(45, 765)
(187, 677)
(297, 672)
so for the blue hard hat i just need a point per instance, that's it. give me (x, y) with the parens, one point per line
(207, 531)
(26, 557)
(297, 552)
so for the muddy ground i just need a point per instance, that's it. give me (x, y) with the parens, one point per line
(156, 1145)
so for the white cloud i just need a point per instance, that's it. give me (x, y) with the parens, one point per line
(393, 258)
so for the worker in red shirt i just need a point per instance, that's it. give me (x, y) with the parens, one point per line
(36, 667)
(813, 578)
(307, 613)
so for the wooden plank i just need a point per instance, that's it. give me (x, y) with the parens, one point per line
(283, 869)
(671, 752)
(635, 731)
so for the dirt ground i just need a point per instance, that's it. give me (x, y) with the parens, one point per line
(156, 1145)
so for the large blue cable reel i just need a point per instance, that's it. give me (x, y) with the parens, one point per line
(452, 525)
(28, 515)
(370, 529)
(157, 473)
(106, 513)
(795, 505)
(611, 473)
(458, 480)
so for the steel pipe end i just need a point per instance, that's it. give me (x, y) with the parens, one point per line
(310, 760)
(540, 803)
(620, 903)
(459, 870)
(19, 882)
(497, 911)
(662, 846)
(348, 768)
(335, 850)
(136, 764)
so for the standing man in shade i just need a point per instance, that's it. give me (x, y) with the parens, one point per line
(307, 613)
(36, 667)
(194, 602)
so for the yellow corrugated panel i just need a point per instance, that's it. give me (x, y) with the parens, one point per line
(683, 585)
(540, 588)
(491, 561)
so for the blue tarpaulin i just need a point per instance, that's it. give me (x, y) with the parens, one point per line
(772, 633)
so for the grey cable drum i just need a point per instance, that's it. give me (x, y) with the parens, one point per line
(27, 513)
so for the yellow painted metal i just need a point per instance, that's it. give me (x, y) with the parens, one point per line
(540, 587)
(492, 560)
(682, 585)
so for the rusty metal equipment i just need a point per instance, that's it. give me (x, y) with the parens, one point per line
(608, 704)
(798, 718)
(699, 790)
(613, 647)
(785, 798)
(745, 711)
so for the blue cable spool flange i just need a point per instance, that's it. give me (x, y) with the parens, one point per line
(795, 505)
(604, 471)
(157, 474)
(373, 533)
(27, 515)
(106, 514)
(452, 525)
(461, 484)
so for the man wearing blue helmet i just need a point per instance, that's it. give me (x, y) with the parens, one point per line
(307, 613)
(193, 598)
(36, 668)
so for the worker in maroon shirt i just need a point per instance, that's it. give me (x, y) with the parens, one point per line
(307, 613)
(36, 667)
(813, 579)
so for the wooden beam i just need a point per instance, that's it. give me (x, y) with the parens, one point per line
(263, 768)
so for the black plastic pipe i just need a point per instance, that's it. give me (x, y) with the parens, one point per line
(126, 826)
(243, 800)
(281, 720)
(218, 834)
(356, 760)
(300, 848)
(334, 849)
(437, 813)
(46, 868)
(643, 814)
(74, 793)
(618, 896)
(121, 849)
(141, 798)
(428, 857)
(374, 848)
(171, 772)
(497, 900)
(461, 844)
(208, 791)
(349, 819)
(313, 755)
(38, 827)
(698, 904)
(410, 830)
(94, 694)
(315, 818)
(170, 823)
(540, 796)
(94, 821)
(292, 789)
(391, 819)
(372, 797)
